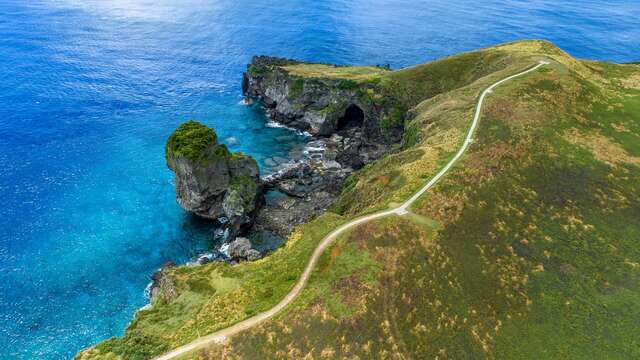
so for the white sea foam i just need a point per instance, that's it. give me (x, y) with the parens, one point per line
(147, 290)
(224, 249)
(277, 125)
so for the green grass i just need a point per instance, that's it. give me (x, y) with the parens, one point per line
(216, 295)
(348, 85)
(528, 246)
(413, 85)
(296, 88)
(193, 141)
(534, 248)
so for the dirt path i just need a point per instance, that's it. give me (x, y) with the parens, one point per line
(221, 336)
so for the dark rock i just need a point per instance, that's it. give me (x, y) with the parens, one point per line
(162, 286)
(210, 181)
(204, 259)
(319, 105)
(241, 249)
(209, 257)
(280, 216)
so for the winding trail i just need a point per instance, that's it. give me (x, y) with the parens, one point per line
(222, 335)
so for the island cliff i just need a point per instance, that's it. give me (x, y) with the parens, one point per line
(350, 123)
(210, 181)
(344, 110)
(325, 100)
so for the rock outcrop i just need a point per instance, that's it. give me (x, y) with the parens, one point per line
(162, 286)
(241, 249)
(345, 121)
(210, 181)
(320, 105)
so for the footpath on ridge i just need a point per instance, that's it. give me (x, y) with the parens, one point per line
(222, 335)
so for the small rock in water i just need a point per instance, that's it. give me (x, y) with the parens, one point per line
(295, 154)
(280, 160)
(241, 248)
(204, 259)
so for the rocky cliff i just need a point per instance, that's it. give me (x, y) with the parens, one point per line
(328, 99)
(210, 181)
(342, 108)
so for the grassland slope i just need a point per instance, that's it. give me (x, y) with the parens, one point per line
(528, 248)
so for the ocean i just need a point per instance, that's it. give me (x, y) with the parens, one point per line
(91, 89)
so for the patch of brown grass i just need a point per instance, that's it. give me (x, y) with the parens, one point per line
(603, 148)
(355, 73)
(631, 82)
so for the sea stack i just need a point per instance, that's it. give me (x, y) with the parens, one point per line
(210, 181)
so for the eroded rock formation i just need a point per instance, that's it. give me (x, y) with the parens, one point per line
(210, 181)
(345, 125)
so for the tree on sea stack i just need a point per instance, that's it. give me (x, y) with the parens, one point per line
(212, 182)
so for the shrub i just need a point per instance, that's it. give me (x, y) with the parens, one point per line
(190, 140)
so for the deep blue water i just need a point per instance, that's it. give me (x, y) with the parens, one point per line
(90, 90)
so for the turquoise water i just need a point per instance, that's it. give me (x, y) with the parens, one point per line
(90, 90)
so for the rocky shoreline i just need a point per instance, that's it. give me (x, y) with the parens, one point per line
(345, 132)
(345, 136)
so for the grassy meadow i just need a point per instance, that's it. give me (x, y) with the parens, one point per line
(528, 248)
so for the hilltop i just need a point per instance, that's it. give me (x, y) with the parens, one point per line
(526, 249)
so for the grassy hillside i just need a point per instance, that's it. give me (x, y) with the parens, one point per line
(528, 248)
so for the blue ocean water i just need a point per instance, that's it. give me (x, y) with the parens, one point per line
(90, 90)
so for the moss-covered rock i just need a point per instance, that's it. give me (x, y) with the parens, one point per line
(190, 140)
(210, 181)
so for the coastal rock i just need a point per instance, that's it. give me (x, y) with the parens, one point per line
(281, 215)
(320, 105)
(206, 258)
(343, 110)
(349, 125)
(210, 181)
(241, 249)
(162, 286)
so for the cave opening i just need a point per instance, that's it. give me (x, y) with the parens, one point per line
(353, 117)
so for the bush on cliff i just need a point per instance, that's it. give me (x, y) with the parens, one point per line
(190, 140)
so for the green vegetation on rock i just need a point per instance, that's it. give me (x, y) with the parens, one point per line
(296, 88)
(255, 70)
(347, 84)
(190, 140)
(246, 187)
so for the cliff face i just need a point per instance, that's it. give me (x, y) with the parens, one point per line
(342, 107)
(321, 99)
(210, 181)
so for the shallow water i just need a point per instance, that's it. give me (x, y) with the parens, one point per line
(90, 90)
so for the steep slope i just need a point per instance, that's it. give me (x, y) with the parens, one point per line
(529, 245)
